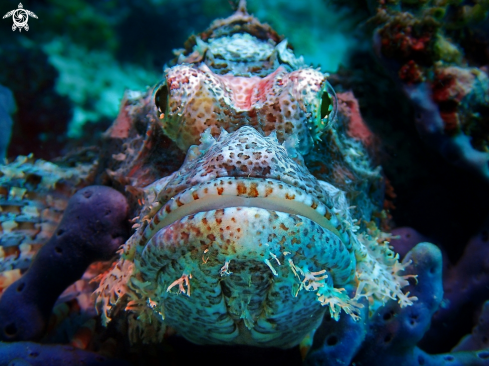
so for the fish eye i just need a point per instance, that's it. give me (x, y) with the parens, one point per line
(161, 97)
(329, 103)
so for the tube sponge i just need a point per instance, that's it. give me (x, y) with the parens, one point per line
(94, 225)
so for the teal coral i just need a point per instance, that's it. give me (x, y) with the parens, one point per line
(94, 81)
(33, 196)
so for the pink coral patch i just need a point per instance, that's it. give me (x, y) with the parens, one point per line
(357, 129)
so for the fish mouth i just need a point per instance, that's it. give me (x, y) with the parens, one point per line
(255, 257)
(269, 194)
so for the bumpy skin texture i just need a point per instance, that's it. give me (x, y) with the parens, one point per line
(93, 227)
(248, 225)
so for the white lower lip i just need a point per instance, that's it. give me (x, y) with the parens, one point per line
(213, 201)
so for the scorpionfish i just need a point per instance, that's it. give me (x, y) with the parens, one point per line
(267, 225)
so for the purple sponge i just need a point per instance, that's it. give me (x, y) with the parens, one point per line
(34, 354)
(466, 289)
(94, 225)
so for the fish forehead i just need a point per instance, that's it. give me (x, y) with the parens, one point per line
(240, 45)
(238, 75)
(245, 153)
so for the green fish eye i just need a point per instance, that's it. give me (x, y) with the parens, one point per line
(328, 102)
(161, 97)
(326, 105)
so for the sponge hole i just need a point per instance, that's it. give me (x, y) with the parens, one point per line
(332, 340)
(11, 330)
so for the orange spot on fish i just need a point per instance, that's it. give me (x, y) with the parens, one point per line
(253, 191)
(289, 196)
(241, 188)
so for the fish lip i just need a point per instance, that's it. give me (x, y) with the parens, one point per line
(226, 192)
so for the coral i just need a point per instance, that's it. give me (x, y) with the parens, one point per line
(466, 285)
(479, 337)
(404, 239)
(449, 96)
(92, 27)
(465, 291)
(320, 33)
(93, 83)
(92, 228)
(33, 197)
(391, 332)
(430, 124)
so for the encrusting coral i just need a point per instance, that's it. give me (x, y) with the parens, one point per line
(465, 290)
(425, 47)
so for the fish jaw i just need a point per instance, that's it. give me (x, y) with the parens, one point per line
(245, 283)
